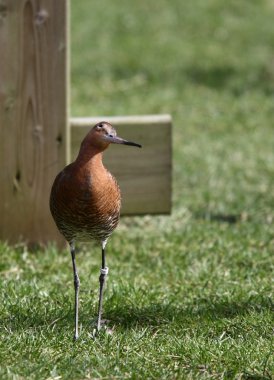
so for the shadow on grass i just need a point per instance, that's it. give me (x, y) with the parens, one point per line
(222, 218)
(215, 77)
(205, 310)
(234, 79)
(20, 320)
(128, 317)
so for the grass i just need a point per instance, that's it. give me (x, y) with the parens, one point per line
(189, 296)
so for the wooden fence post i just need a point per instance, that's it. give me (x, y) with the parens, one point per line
(35, 128)
(34, 138)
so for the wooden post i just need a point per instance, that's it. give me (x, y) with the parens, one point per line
(34, 136)
(35, 131)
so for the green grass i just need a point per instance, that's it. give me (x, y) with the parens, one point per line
(188, 296)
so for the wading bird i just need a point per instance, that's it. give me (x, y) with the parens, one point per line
(85, 202)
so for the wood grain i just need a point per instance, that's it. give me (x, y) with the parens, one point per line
(35, 131)
(34, 138)
(144, 175)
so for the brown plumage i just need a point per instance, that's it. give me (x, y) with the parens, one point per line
(85, 200)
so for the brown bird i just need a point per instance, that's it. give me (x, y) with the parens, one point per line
(85, 202)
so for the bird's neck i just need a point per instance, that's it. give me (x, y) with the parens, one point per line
(90, 158)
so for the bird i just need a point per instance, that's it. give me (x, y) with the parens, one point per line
(85, 203)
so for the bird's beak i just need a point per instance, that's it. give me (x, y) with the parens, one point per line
(119, 140)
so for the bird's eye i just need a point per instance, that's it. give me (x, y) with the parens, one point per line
(99, 127)
(110, 136)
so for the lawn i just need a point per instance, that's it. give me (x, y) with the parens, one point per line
(189, 296)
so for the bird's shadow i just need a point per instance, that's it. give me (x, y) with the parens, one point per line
(206, 309)
(128, 317)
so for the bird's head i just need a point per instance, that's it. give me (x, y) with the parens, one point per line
(103, 134)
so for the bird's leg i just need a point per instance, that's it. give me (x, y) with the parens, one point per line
(102, 279)
(76, 288)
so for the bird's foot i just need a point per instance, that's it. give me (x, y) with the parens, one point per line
(103, 328)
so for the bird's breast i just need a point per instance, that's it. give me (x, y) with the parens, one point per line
(86, 203)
